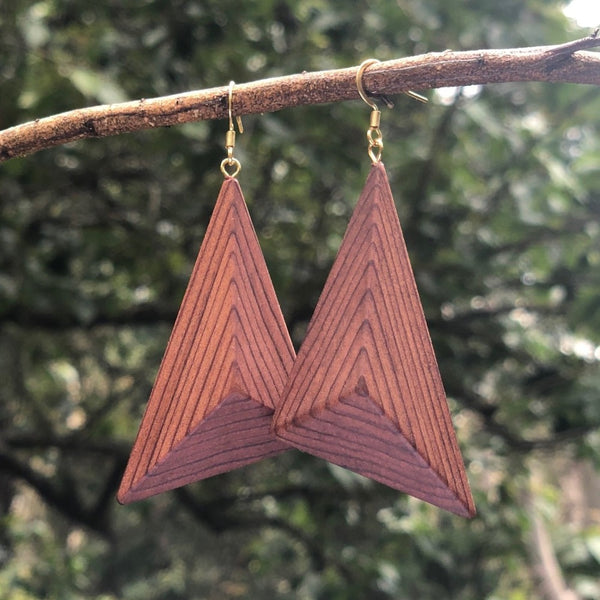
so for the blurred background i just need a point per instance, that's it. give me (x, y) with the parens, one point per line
(498, 191)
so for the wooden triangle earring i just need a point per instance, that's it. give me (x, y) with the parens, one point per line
(365, 391)
(226, 363)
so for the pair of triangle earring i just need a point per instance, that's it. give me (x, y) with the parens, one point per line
(364, 391)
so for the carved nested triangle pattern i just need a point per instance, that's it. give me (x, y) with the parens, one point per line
(365, 391)
(224, 369)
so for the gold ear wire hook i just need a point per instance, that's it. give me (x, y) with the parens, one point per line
(230, 161)
(371, 103)
(373, 133)
(416, 96)
(359, 81)
(238, 118)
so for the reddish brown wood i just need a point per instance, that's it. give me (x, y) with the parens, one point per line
(224, 369)
(365, 391)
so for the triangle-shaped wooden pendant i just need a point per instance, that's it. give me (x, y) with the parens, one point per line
(365, 391)
(224, 369)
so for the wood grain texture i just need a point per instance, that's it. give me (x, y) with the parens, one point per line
(224, 369)
(365, 391)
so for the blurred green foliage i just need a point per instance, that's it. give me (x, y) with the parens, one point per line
(497, 190)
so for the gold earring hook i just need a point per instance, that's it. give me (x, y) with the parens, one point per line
(359, 81)
(373, 133)
(361, 89)
(230, 161)
(230, 105)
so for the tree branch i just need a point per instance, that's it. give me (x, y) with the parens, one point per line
(562, 63)
(109, 448)
(63, 500)
(217, 519)
(551, 578)
(147, 314)
(517, 443)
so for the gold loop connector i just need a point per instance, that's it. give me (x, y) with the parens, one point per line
(375, 144)
(375, 138)
(230, 161)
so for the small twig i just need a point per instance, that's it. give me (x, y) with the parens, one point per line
(427, 71)
(592, 41)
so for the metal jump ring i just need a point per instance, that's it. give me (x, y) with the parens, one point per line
(230, 162)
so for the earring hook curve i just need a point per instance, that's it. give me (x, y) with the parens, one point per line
(230, 110)
(359, 81)
(363, 94)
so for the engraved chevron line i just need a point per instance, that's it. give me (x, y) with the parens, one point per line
(360, 447)
(369, 327)
(330, 319)
(224, 368)
(189, 360)
(233, 435)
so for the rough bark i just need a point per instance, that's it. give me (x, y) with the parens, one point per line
(561, 63)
